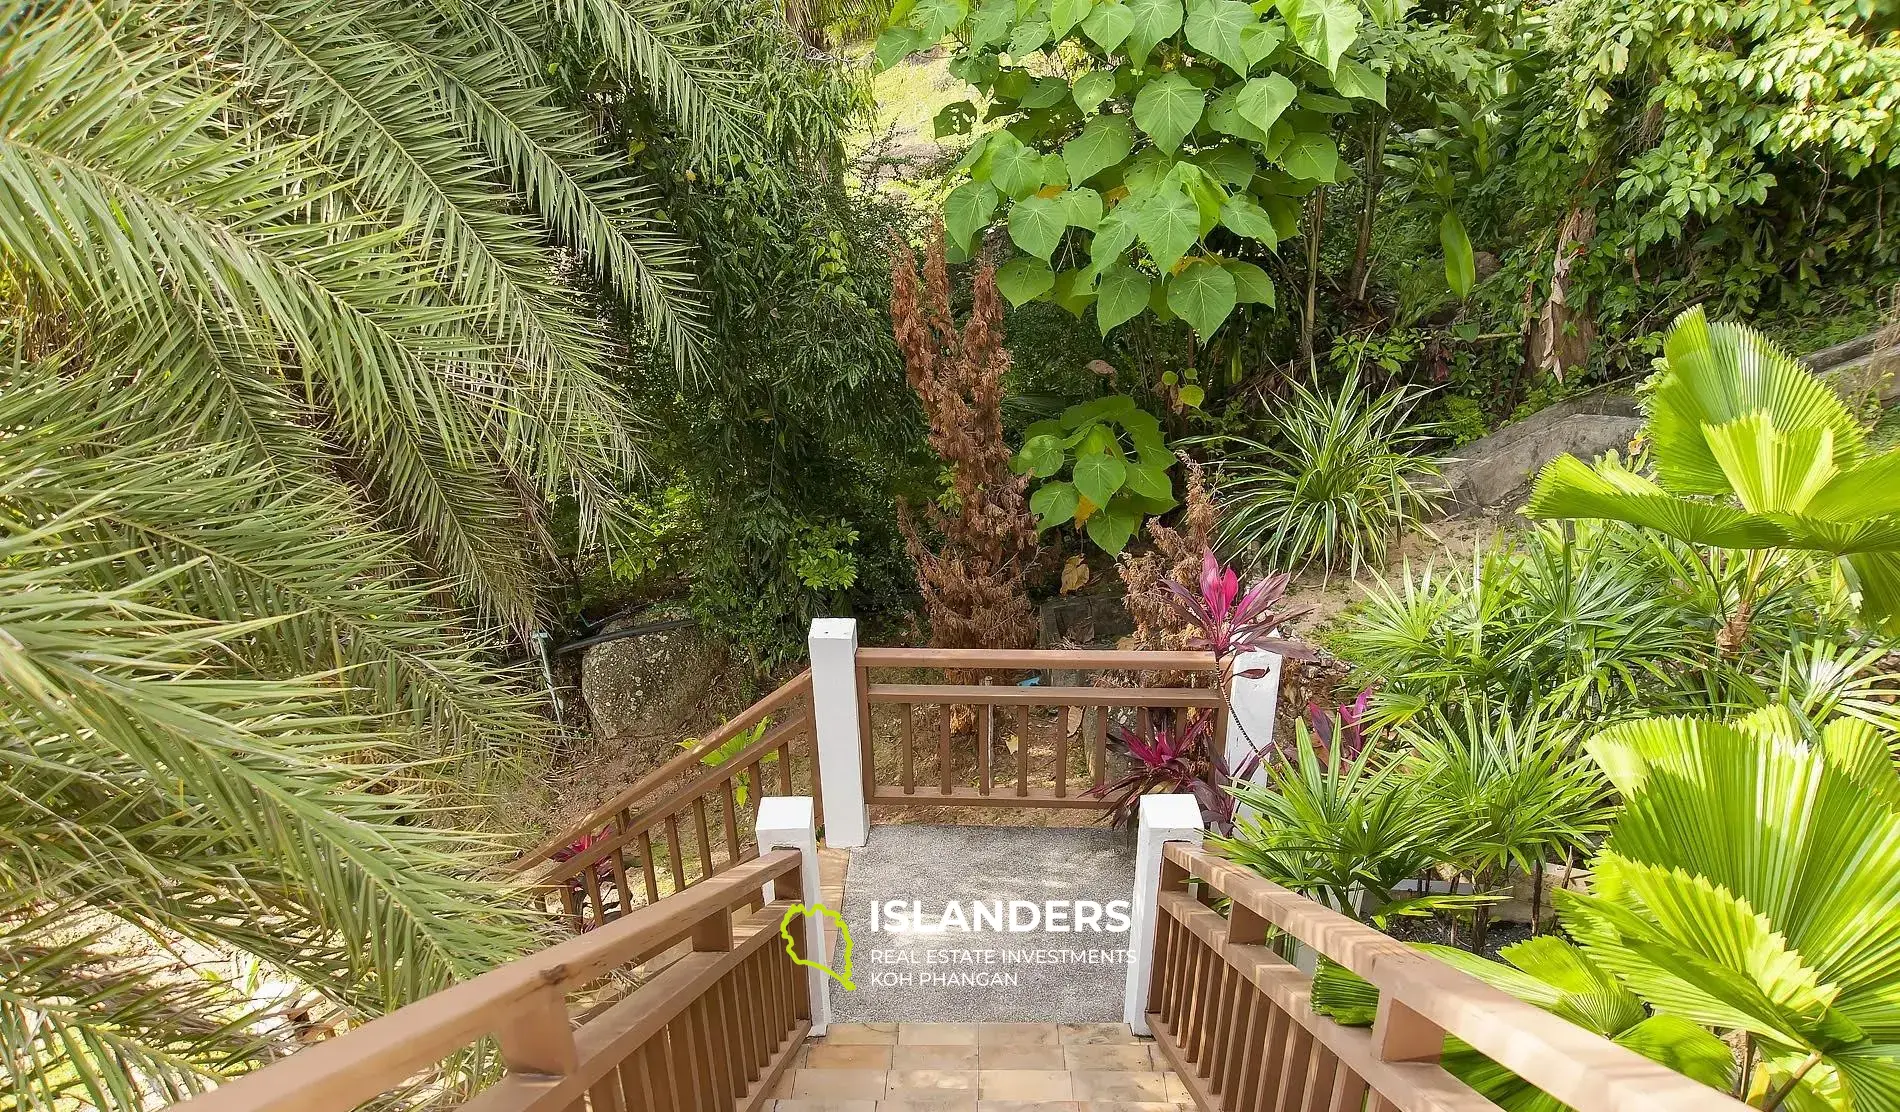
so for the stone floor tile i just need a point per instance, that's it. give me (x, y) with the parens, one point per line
(822, 1104)
(931, 1079)
(1028, 1106)
(913, 1056)
(937, 1034)
(874, 1033)
(994, 1057)
(848, 1056)
(1123, 1085)
(1088, 1033)
(1024, 1085)
(1018, 1034)
(840, 1084)
(1108, 1056)
(917, 1100)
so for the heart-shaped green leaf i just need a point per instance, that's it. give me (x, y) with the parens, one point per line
(1014, 168)
(990, 26)
(1047, 91)
(1155, 21)
(1121, 295)
(1091, 89)
(1214, 28)
(1108, 25)
(1230, 163)
(1027, 38)
(1203, 295)
(1150, 480)
(967, 210)
(1262, 99)
(1224, 116)
(1113, 526)
(1251, 284)
(1244, 218)
(1024, 280)
(1116, 233)
(1074, 291)
(1355, 79)
(1084, 208)
(896, 44)
(1261, 40)
(1036, 224)
(1311, 156)
(1104, 142)
(1054, 504)
(1167, 108)
(1325, 29)
(1168, 222)
(1098, 475)
(1041, 456)
(1064, 15)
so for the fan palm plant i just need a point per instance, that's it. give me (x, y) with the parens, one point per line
(1751, 884)
(1752, 451)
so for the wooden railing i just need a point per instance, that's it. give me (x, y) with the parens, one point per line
(714, 1030)
(952, 739)
(684, 822)
(1234, 1015)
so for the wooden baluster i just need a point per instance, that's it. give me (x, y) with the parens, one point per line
(1022, 750)
(571, 903)
(637, 1092)
(1321, 1070)
(1244, 1060)
(622, 892)
(646, 866)
(1264, 1089)
(676, 851)
(907, 727)
(1062, 750)
(1299, 1046)
(590, 882)
(785, 767)
(700, 827)
(943, 749)
(1349, 1091)
(1098, 747)
(985, 740)
(732, 815)
(1221, 1018)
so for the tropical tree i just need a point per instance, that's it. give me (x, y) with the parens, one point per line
(1751, 451)
(1751, 884)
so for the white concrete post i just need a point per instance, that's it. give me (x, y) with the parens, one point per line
(788, 822)
(1251, 704)
(834, 704)
(1164, 819)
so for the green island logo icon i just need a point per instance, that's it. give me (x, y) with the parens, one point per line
(844, 934)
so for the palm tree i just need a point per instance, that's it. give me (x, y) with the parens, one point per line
(302, 335)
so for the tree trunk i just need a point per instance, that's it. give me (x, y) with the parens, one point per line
(1315, 221)
(1368, 209)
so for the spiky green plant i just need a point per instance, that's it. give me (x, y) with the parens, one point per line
(1339, 481)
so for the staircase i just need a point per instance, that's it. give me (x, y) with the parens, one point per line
(980, 1067)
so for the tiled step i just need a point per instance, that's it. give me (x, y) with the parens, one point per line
(988, 1067)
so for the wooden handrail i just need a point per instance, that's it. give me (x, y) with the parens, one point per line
(998, 694)
(1421, 1001)
(339, 1074)
(1080, 659)
(653, 781)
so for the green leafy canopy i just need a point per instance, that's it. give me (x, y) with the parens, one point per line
(1116, 457)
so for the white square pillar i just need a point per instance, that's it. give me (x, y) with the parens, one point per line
(834, 706)
(788, 822)
(1164, 819)
(1252, 704)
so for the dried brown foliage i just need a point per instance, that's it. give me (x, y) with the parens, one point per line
(974, 554)
(1175, 558)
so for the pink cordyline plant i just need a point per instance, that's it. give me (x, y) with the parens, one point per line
(1230, 623)
(1344, 725)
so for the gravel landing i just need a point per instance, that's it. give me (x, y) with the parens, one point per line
(986, 974)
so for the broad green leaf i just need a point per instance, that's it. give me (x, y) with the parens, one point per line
(1461, 268)
(1014, 168)
(1054, 172)
(1262, 99)
(1224, 116)
(1121, 295)
(1084, 208)
(1149, 480)
(953, 119)
(1568, 487)
(1053, 504)
(1115, 234)
(1356, 79)
(1073, 291)
(1024, 280)
(1285, 212)
(1104, 142)
(1167, 108)
(1041, 456)
(936, 18)
(1048, 91)
(1323, 104)
(1146, 171)
(1091, 89)
(898, 43)
(1036, 224)
(1064, 15)
(1027, 38)
(1324, 29)
(991, 24)
(1112, 526)
(1261, 40)
(1311, 155)
(1155, 21)
(1098, 475)
(1108, 25)
(1206, 192)
(1202, 295)
(1086, 415)
(1232, 164)
(967, 210)
(1251, 284)
(1214, 28)
(1243, 217)
(1192, 395)
(1168, 222)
